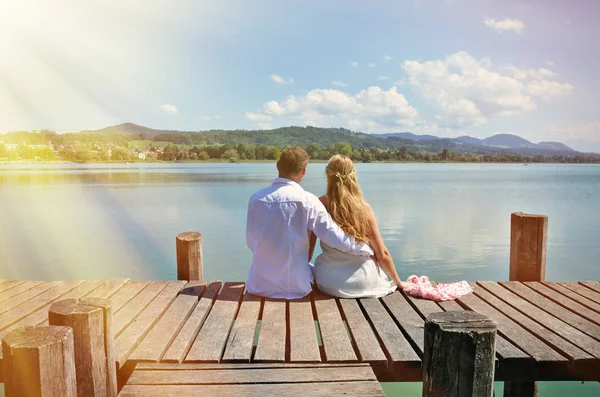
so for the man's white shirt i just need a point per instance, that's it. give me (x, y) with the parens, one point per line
(280, 219)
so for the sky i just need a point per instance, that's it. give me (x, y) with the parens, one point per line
(442, 67)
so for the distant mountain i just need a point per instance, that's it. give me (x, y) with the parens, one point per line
(328, 136)
(507, 141)
(409, 135)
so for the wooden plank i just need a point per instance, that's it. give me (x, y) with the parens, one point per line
(25, 296)
(324, 389)
(211, 339)
(156, 342)
(594, 285)
(24, 288)
(574, 296)
(267, 375)
(504, 349)
(40, 317)
(545, 298)
(220, 366)
(407, 319)
(304, 346)
(546, 327)
(5, 286)
(271, 340)
(424, 307)
(397, 348)
(336, 341)
(182, 343)
(22, 310)
(109, 288)
(583, 291)
(513, 332)
(132, 308)
(364, 339)
(241, 338)
(128, 340)
(126, 293)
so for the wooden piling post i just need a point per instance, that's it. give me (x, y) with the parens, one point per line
(189, 256)
(528, 239)
(459, 356)
(39, 361)
(94, 344)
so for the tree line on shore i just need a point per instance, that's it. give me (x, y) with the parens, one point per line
(90, 147)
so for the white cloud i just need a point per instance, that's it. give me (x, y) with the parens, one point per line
(168, 109)
(354, 64)
(589, 132)
(372, 110)
(387, 58)
(209, 118)
(549, 90)
(371, 65)
(338, 84)
(468, 92)
(280, 80)
(258, 117)
(505, 24)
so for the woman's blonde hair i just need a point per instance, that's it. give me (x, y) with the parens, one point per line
(345, 198)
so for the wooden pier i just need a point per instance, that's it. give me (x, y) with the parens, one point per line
(172, 337)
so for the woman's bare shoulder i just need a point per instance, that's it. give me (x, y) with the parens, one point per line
(324, 200)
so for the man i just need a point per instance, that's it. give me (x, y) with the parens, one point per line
(280, 219)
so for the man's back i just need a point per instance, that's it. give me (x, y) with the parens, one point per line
(277, 232)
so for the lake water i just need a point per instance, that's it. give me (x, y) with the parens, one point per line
(447, 221)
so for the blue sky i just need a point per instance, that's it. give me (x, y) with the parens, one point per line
(446, 67)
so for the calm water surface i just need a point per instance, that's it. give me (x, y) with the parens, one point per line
(447, 221)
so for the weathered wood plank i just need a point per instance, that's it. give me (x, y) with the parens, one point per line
(546, 327)
(406, 317)
(126, 293)
(513, 332)
(594, 285)
(182, 343)
(363, 337)
(22, 310)
(397, 348)
(577, 315)
(504, 349)
(423, 306)
(128, 340)
(324, 389)
(304, 346)
(336, 342)
(5, 286)
(241, 338)
(163, 366)
(40, 317)
(211, 339)
(131, 309)
(271, 340)
(109, 288)
(267, 375)
(156, 342)
(583, 291)
(574, 296)
(34, 289)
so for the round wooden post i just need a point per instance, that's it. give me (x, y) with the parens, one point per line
(528, 239)
(39, 361)
(189, 256)
(94, 347)
(459, 356)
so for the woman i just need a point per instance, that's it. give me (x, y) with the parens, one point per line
(340, 274)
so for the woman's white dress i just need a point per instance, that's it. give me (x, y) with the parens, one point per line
(349, 276)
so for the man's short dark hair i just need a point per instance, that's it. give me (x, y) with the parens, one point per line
(292, 161)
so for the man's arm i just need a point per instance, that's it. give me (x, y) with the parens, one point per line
(321, 224)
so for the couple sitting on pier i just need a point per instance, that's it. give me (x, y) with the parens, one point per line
(284, 222)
